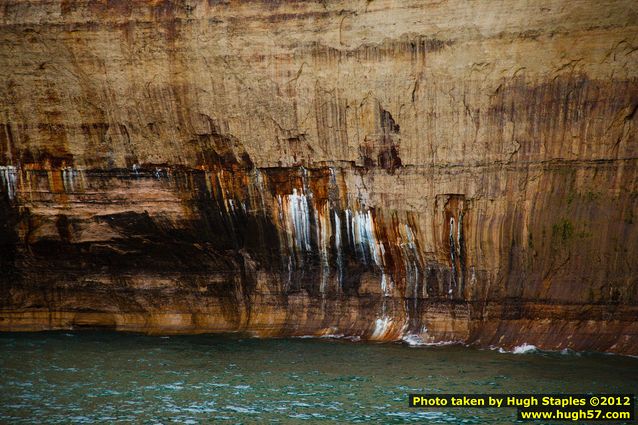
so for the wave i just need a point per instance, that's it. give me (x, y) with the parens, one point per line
(524, 348)
(414, 340)
(353, 338)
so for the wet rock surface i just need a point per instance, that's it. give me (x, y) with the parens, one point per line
(299, 168)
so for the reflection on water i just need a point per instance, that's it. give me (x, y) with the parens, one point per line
(109, 377)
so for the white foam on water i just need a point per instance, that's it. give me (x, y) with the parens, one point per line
(352, 338)
(525, 348)
(240, 409)
(333, 336)
(414, 340)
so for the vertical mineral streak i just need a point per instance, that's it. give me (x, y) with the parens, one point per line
(454, 281)
(460, 255)
(299, 216)
(324, 233)
(338, 249)
(9, 174)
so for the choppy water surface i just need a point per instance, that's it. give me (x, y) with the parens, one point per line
(110, 377)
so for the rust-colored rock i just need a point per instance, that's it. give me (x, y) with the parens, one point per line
(450, 171)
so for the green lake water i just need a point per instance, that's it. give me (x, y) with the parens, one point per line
(95, 377)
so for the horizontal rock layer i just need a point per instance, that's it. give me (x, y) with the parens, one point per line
(448, 171)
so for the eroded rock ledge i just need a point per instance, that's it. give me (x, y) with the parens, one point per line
(452, 171)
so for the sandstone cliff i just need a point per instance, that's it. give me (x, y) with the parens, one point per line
(449, 170)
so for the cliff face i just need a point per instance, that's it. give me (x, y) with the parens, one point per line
(450, 171)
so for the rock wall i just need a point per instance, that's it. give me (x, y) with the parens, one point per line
(436, 171)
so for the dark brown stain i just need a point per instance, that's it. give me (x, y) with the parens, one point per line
(566, 104)
(8, 153)
(416, 49)
(217, 150)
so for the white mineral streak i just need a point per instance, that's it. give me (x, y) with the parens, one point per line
(220, 182)
(411, 259)
(8, 175)
(288, 235)
(294, 215)
(298, 213)
(308, 226)
(348, 221)
(337, 233)
(367, 245)
(259, 183)
(229, 202)
(68, 179)
(298, 220)
(382, 326)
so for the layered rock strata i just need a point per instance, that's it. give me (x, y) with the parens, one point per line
(442, 171)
